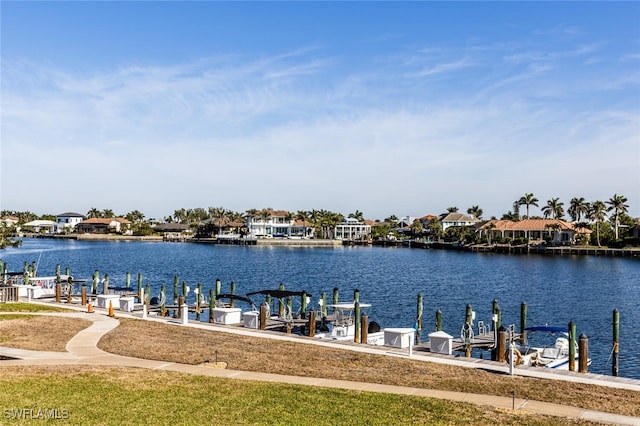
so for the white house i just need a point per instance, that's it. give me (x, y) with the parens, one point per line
(66, 222)
(457, 219)
(352, 229)
(45, 226)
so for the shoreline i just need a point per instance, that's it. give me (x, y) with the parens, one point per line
(498, 249)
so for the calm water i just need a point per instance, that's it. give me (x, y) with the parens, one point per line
(556, 289)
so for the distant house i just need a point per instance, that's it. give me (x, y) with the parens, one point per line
(118, 225)
(457, 219)
(42, 226)
(352, 229)
(10, 220)
(66, 222)
(273, 223)
(558, 231)
(173, 231)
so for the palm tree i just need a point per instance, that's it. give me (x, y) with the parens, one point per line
(596, 213)
(617, 204)
(219, 215)
(528, 200)
(553, 209)
(303, 216)
(357, 215)
(452, 209)
(93, 213)
(108, 213)
(475, 211)
(578, 208)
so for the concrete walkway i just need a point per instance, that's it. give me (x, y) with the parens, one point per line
(82, 350)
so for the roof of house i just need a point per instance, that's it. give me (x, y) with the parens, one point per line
(104, 221)
(458, 217)
(70, 214)
(40, 223)
(531, 225)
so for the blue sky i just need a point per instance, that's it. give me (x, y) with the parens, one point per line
(402, 108)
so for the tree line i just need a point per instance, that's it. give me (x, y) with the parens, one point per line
(584, 214)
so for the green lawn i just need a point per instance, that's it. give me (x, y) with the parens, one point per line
(129, 397)
(30, 307)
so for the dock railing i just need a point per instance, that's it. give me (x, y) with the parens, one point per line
(8, 294)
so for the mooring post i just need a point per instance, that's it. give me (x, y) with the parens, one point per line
(175, 289)
(147, 295)
(616, 342)
(218, 286)
(335, 295)
(67, 271)
(199, 297)
(140, 287)
(127, 279)
(572, 346)
(94, 282)
(583, 353)
(495, 310)
(323, 309)
(356, 295)
(105, 284)
(468, 328)
(163, 300)
(523, 322)
(58, 291)
(303, 305)
(281, 304)
(356, 334)
(263, 316)
(212, 304)
(364, 328)
(312, 323)
(232, 303)
(419, 308)
(83, 293)
(58, 273)
(501, 347)
(438, 320)
(181, 300)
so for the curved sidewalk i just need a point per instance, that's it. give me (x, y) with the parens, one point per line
(82, 350)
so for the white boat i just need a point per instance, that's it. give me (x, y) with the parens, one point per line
(556, 356)
(341, 323)
(38, 287)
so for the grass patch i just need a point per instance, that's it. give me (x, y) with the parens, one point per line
(30, 307)
(87, 395)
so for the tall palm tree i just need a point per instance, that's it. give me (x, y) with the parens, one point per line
(597, 214)
(578, 208)
(357, 215)
(108, 213)
(452, 210)
(553, 209)
(528, 200)
(618, 206)
(304, 217)
(475, 211)
(93, 213)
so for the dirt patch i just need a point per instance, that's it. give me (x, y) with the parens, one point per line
(39, 332)
(157, 341)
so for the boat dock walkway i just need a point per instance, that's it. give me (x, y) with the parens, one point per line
(82, 350)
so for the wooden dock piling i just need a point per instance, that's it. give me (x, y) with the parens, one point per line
(523, 322)
(572, 346)
(583, 354)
